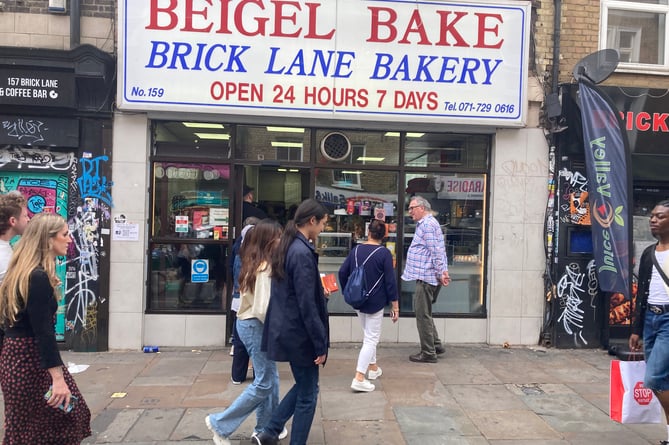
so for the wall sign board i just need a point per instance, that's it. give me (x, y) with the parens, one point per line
(377, 60)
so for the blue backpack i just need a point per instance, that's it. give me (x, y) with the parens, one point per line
(355, 292)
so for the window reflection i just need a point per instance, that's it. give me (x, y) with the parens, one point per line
(191, 200)
(458, 203)
(353, 201)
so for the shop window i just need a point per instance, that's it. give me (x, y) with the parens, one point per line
(271, 143)
(458, 203)
(637, 29)
(189, 233)
(351, 211)
(191, 140)
(452, 151)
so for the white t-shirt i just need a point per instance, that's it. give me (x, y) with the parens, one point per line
(5, 256)
(658, 290)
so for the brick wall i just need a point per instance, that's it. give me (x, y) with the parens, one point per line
(89, 8)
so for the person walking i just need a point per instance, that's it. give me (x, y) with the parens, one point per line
(30, 363)
(426, 263)
(651, 320)
(296, 327)
(262, 395)
(378, 265)
(13, 221)
(240, 356)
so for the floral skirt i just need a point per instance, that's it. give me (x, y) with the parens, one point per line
(28, 419)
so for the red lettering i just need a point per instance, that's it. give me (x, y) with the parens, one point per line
(279, 17)
(245, 17)
(312, 33)
(660, 122)
(376, 23)
(483, 30)
(260, 21)
(169, 10)
(629, 120)
(447, 28)
(190, 13)
(641, 121)
(415, 26)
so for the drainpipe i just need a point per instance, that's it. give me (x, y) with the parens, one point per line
(75, 24)
(557, 17)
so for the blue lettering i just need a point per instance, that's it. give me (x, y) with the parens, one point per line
(235, 58)
(158, 50)
(382, 66)
(488, 70)
(423, 68)
(471, 65)
(448, 65)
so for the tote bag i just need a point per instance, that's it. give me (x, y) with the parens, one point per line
(629, 400)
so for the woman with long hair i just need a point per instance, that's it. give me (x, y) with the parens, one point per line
(296, 327)
(382, 290)
(42, 401)
(262, 395)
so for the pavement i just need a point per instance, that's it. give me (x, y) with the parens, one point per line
(475, 395)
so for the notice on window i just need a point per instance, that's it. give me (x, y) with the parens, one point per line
(218, 216)
(181, 224)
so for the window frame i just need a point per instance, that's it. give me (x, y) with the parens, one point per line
(628, 67)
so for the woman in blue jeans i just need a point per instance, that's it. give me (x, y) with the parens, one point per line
(296, 328)
(262, 395)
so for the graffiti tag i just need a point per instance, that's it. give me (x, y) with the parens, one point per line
(25, 130)
(91, 183)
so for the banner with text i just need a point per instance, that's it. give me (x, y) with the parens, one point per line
(376, 60)
(606, 154)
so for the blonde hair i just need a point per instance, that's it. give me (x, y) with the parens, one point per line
(32, 251)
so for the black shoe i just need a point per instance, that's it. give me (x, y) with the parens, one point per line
(664, 442)
(422, 358)
(439, 350)
(265, 439)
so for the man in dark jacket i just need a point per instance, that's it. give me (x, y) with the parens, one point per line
(248, 209)
(651, 320)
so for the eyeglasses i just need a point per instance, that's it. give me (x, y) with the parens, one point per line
(413, 207)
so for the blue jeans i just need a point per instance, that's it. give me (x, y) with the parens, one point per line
(656, 351)
(299, 402)
(261, 396)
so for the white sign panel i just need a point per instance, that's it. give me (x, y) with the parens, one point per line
(452, 187)
(377, 60)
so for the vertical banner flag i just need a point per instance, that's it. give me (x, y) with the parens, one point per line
(606, 155)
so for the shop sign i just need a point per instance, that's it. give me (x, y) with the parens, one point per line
(450, 187)
(42, 131)
(37, 88)
(377, 60)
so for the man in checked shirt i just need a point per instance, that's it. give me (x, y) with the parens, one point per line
(427, 264)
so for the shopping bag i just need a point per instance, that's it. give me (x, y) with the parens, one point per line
(629, 400)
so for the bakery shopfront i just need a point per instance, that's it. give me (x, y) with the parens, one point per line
(410, 100)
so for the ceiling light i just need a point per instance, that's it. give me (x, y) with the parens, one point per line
(219, 136)
(281, 170)
(286, 129)
(369, 159)
(293, 170)
(349, 172)
(287, 144)
(395, 134)
(201, 125)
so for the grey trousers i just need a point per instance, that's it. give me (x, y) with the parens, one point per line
(423, 297)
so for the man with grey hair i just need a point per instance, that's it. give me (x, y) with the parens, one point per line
(13, 221)
(426, 263)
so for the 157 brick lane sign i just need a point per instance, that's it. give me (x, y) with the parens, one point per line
(376, 60)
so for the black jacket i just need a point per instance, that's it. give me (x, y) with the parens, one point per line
(296, 327)
(645, 273)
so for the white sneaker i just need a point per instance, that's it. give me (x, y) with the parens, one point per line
(282, 435)
(373, 375)
(218, 439)
(232, 350)
(364, 386)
